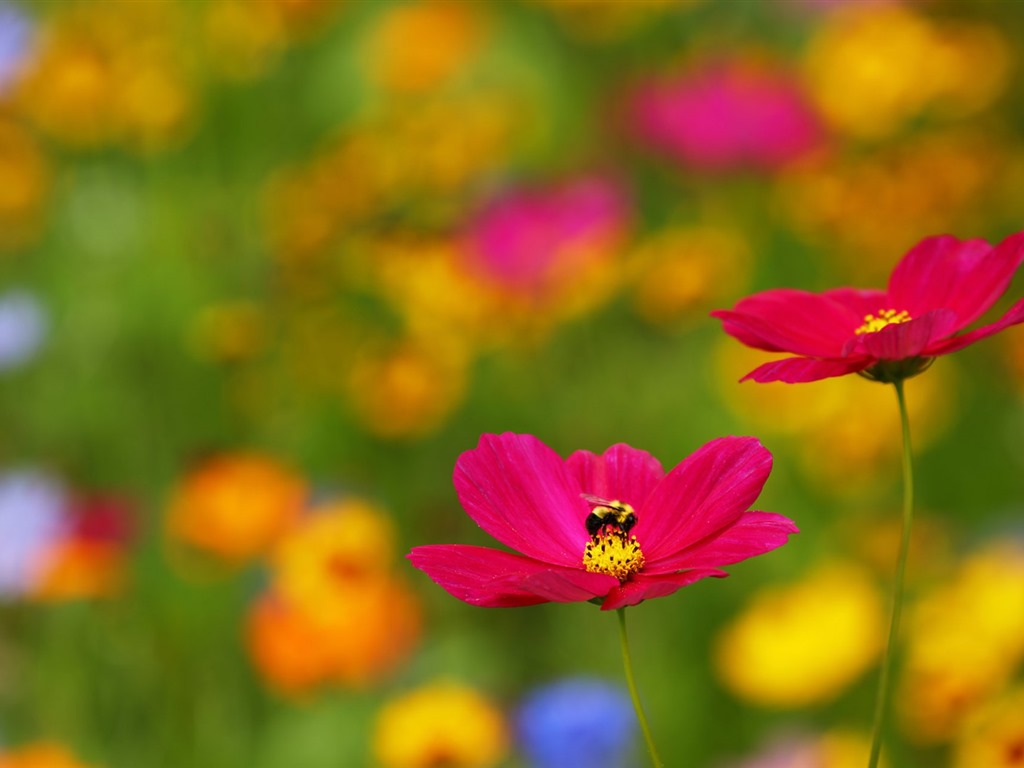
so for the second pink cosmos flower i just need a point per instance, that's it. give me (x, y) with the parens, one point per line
(612, 527)
(940, 288)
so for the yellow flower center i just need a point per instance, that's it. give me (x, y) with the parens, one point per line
(612, 551)
(885, 317)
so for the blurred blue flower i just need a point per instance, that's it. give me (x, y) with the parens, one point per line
(32, 516)
(577, 723)
(23, 325)
(15, 41)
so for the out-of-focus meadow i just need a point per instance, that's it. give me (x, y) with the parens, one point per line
(269, 266)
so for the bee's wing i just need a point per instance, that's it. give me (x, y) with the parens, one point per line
(596, 501)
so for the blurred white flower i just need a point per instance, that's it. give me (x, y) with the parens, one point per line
(33, 515)
(15, 41)
(23, 326)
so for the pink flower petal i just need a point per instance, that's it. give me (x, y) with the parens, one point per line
(787, 320)
(966, 277)
(705, 493)
(900, 341)
(753, 534)
(646, 587)
(621, 473)
(517, 489)
(494, 579)
(795, 370)
(1013, 316)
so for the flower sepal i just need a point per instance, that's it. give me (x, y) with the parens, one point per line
(892, 371)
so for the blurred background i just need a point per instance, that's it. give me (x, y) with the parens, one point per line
(267, 267)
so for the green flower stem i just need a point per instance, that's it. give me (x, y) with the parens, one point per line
(882, 701)
(631, 682)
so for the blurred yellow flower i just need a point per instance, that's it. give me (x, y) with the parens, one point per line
(235, 506)
(230, 331)
(110, 72)
(429, 153)
(406, 390)
(868, 208)
(242, 39)
(873, 68)
(442, 723)
(846, 430)
(845, 749)
(154, 104)
(873, 539)
(680, 273)
(1013, 356)
(305, 18)
(420, 45)
(600, 20)
(39, 755)
(994, 736)
(439, 146)
(417, 276)
(773, 653)
(335, 545)
(965, 639)
(26, 186)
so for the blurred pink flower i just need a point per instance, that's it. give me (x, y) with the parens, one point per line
(613, 528)
(528, 238)
(726, 115)
(103, 518)
(938, 289)
(791, 752)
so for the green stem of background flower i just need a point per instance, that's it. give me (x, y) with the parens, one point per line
(882, 702)
(631, 682)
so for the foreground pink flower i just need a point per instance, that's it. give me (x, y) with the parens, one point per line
(613, 528)
(938, 289)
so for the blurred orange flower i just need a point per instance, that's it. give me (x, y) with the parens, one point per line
(39, 755)
(26, 186)
(336, 611)
(994, 737)
(79, 568)
(419, 45)
(681, 271)
(965, 641)
(235, 506)
(407, 390)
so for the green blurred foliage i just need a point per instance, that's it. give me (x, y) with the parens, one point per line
(137, 243)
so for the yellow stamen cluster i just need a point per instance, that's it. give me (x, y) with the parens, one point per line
(610, 551)
(885, 317)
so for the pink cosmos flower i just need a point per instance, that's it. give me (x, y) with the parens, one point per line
(725, 115)
(613, 528)
(937, 290)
